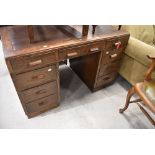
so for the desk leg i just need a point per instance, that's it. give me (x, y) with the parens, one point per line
(30, 33)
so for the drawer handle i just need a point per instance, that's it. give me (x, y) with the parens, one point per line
(95, 49)
(118, 44)
(42, 103)
(35, 63)
(41, 76)
(107, 52)
(106, 78)
(113, 55)
(41, 91)
(72, 54)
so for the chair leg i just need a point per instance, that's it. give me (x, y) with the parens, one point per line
(146, 114)
(129, 95)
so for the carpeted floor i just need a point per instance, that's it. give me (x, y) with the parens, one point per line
(79, 108)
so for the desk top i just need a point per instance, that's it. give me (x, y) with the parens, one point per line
(16, 42)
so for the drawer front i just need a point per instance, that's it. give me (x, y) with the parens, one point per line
(117, 43)
(80, 50)
(114, 49)
(105, 80)
(110, 56)
(42, 104)
(109, 68)
(34, 78)
(39, 92)
(35, 61)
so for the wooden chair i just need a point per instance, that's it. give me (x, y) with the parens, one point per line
(146, 92)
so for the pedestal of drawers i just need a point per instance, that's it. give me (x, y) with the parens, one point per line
(36, 79)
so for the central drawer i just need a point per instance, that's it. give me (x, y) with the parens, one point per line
(33, 78)
(38, 92)
(80, 50)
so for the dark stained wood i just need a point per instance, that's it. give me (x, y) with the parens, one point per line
(40, 91)
(35, 61)
(49, 40)
(86, 68)
(30, 33)
(91, 68)
(80, 50)
(34, 65)
(109, 68)
(85, 30)
(36, 107)
(34, 78)
(105, 80)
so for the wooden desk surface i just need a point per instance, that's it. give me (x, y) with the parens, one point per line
(16, 41)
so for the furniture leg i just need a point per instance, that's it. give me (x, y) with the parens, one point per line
(129, 95)
(30, 33)
(146, 114)
(85, 30)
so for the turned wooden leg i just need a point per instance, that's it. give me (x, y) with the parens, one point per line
(146, 114)
(85, 30)
(30, 33)
(129, 95)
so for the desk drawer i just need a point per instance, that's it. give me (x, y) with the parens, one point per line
(105, 80)
(111, 56)
(114, 49)
(41, 105)
(109, 68)
(26, 63)
(80, 50)
(36, 77)
(114, 44)
(38, 92)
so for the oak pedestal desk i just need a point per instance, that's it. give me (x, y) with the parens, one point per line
(34, 67)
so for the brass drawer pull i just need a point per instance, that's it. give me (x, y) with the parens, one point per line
(95, 49)
(113, 55)
(41, 76)
(41, 91)
(107, 52)
(106, 78)
(42, 103)
(72, 54)
(35, 63)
